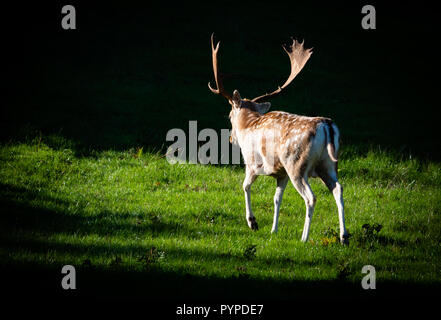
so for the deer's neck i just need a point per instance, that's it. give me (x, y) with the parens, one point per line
(245, 119)
(242, 120)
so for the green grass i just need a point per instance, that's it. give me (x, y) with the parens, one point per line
(129, 211)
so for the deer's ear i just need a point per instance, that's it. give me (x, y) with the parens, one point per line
(263, 107)
(236, 98)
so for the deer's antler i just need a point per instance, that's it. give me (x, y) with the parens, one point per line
(298, 57)
(220, 88)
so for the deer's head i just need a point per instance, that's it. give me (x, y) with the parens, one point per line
(298, 57)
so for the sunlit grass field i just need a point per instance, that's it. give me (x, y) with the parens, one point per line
(131, 211)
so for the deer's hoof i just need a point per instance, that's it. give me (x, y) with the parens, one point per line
(344, 240)
(253, 223)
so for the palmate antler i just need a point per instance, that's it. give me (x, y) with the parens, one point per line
(298, 57)
(220, 87)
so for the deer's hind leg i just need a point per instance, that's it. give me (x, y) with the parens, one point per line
(299, 178)
(281, 185)
(327, 171)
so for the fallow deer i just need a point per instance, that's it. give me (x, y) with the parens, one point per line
(283, 145)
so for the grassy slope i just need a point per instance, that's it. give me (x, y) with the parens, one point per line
(125, 212)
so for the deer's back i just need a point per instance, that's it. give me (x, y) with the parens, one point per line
(275, 139)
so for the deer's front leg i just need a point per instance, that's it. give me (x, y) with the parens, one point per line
(250, 177)
(281, 185)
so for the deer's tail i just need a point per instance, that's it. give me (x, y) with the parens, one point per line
(330, 141)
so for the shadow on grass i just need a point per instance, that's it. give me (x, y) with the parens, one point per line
(20, 217)
(44, 282)
(20, 222)
(18, 214)
(25, 228)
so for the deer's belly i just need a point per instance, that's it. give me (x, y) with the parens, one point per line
(263, 165)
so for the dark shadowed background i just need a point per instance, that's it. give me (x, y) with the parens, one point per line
(131, 72)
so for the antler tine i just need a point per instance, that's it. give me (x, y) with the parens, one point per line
(220, 88)
(298, 57)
